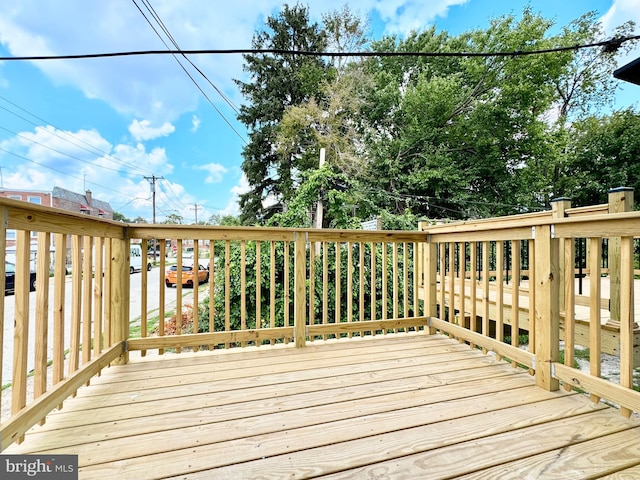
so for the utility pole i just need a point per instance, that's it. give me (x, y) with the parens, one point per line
(319, 207)
(152, 183)
(196, 207)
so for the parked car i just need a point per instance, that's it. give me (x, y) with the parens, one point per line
(10, 279)
(188, 276)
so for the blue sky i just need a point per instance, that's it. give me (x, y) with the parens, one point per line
(106, 124)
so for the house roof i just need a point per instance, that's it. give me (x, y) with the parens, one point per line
(79, 198)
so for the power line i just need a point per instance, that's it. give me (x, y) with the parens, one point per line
(72, 140)
(175, 44)
(612, 43)
(166, 31)
(61, 172)
(97, 165)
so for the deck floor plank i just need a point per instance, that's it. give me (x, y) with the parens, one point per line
(393, 406)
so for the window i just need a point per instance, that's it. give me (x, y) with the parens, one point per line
(11, 234)
(15, 197)
(36, 200)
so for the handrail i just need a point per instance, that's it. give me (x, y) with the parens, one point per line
(271, 285)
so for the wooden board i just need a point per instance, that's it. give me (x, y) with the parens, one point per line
(400, 406)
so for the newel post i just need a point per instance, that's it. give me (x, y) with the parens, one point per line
(620, 200)
(547, 305)
(300, 290)
(120, 292)
(559, 207)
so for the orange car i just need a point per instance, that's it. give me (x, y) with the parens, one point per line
(188, 276)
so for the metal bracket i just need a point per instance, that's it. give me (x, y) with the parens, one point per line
(553, 231)
(553, 370)
(533, 360)
(533, 233)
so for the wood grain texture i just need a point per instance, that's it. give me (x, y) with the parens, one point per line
(406, 405)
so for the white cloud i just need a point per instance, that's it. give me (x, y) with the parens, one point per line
(403, 16)
(48, 157)
(195, 123)
(233, 205)
(142, 130)
(156, 87)
(622, 11)
(215, 171)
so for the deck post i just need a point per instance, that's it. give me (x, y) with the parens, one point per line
(299, 299)
(620, 200)
(547, 306)
(558, 209)
(430, 279)
(120, 292)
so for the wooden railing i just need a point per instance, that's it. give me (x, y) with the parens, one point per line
(466, 298)
(269, 285)
(265, 286)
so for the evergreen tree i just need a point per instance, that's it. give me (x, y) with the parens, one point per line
(277, 81)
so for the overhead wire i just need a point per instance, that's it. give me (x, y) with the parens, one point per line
(96, 165)
(178, 52)
(175, 44)
(71, 139)
(609, 44)
(40, 164)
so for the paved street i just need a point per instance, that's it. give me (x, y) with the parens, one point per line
(155, 279)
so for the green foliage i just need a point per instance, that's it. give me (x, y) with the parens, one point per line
(277, 82)
(284, 291)
(437, 137)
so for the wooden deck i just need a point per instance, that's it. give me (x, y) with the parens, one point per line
(394, 406)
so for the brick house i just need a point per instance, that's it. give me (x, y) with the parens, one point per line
(58, 198)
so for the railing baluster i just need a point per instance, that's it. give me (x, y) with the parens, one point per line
(485, 291)
(499, 293)
(42, 314)
(227, 288)
(312, 284)
(473, 267)
(87, 297)
(272, 287)
(569, 304)
(21, 322)
(325, 284)
(595, 341)
(626, 316)
(385, 288)
(98, 299)
(462, 272)
(178, 312)
(515, 295)
(373, 291)
(59, 277)
(349, 284)
(76, 303)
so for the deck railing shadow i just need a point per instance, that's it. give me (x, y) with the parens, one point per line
(268, 286)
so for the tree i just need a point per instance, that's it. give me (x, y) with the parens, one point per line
(585, 84)
(277, 82)
(223, 220)
(174, 219)
(603, 153)
(449, 135)
(119, 217)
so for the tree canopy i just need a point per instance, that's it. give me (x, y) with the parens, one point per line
(409, 136)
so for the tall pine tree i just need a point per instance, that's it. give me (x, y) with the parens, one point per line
(277, 81)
